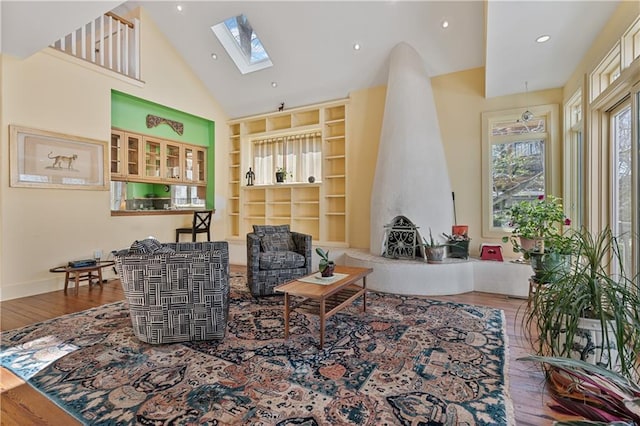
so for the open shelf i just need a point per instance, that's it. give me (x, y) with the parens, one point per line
(306, 118)
(318, 208)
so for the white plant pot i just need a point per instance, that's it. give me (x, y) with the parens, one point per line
(588, 344)
(435, 254)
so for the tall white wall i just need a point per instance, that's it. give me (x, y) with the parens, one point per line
(411, 177)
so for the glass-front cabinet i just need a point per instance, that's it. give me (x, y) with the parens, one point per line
(116, 160)
(142, 158)
(201, 156)
(194, 165)
(151, 174)
(188, 164)
(172, 161)
(132, 155)
(152, 160)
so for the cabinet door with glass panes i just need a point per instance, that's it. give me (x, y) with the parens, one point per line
(124, 154)
(172, 154)
(194, 164)
(131, 154)
(152, 156)
(117, 154)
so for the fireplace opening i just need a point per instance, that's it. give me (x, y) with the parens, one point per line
(402, 240)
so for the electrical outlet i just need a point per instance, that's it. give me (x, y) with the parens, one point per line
(97, 254)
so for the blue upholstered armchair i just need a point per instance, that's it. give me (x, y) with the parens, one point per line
(276, 255)
(177, 291)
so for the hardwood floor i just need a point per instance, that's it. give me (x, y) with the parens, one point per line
(22, 405)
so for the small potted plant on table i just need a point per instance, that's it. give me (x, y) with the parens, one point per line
(326, 265)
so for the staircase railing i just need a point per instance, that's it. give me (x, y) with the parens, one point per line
(109, 41)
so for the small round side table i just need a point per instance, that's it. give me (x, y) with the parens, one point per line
(83, 273)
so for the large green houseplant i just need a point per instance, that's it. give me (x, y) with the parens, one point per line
(537, 231)
(540, 220)
(590, 311)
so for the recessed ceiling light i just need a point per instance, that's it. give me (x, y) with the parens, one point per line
(274, 84)
(543, 38)
(179, 7)
(214, 56)
(445, 24)
(356, 46)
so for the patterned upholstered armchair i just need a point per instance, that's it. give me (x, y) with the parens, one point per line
(276, 255)
(177, 291)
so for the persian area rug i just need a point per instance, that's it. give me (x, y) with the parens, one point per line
(406, 361)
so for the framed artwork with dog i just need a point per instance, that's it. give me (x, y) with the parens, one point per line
(43, 159)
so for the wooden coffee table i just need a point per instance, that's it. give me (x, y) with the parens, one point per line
(325, 299)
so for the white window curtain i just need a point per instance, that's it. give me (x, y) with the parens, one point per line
(267, 157)
(304, 156)
(300, 155)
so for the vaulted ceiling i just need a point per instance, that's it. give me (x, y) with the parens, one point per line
(311, 43)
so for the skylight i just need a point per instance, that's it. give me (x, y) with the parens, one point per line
(242, 44)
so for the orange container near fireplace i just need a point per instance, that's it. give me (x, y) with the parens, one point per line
(459, 229)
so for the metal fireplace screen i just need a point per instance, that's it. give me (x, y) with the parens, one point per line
(402, 240)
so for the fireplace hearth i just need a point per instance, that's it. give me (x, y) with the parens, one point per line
(402, 240)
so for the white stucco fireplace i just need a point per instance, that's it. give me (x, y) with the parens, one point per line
(411, 180)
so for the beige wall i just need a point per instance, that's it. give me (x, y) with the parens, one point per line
(460, 103)
(42, 228)
(623, 16)
(366, 110)
(597, 188)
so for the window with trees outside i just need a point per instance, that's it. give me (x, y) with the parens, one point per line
(573, 155)
(517, 147)
(614, 126)
(621, 180)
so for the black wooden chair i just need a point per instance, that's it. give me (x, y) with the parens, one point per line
(201, 224)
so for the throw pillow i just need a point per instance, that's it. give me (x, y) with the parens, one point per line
(137, 248)
(277, 242)
(262, 230)
(149, 246)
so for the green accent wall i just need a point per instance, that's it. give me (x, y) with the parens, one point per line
(130, 113)
(140, 190)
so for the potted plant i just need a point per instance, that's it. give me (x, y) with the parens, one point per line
(458, 245)
(590, 391)
(326, 266)
(537, 233)
(434, 250)
(554, 258)
(590, 311)
(533, 223)
(281, 174)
